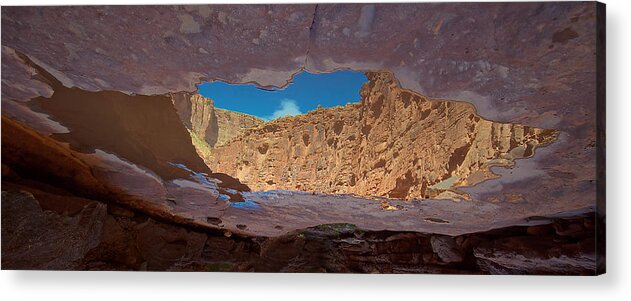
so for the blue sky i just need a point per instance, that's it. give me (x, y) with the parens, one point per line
(304, 94)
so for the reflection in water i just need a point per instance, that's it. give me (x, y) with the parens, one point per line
(203, 179)
(199, 177)
(247, 204)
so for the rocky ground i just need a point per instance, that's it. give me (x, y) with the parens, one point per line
(45, 231)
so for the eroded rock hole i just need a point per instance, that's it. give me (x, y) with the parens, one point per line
(386, 142)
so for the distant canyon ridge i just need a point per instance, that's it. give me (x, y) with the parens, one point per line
(209, 126)
(393, 143)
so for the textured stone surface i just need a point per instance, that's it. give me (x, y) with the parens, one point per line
(105, 237)
(42, 240)
(203, 119)
(527, 63)
(210, 127)
(213, 125)
(133, 48)
(528, 255)
(446, 249)
(105, 176)
(233, 124)
(197, 201)
(395, 143)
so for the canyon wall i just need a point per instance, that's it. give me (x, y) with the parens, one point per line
(546, 75)
(232, 124)
(207, 125)
(198, 115)
(394, 143)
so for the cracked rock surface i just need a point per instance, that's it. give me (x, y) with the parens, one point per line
(100, 172)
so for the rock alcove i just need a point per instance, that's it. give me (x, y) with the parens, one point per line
(392, 143)
(99, 167)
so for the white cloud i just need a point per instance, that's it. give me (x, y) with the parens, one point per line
(288, 107)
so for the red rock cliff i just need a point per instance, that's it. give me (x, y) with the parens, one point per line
(394, 143)
(209, 126)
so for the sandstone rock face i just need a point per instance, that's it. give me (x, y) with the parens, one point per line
(130, 150)
(198, 115)
(233, 124)
(542, 76)
(203, 119)
(37, 233)
(395, 143)
(210, 126)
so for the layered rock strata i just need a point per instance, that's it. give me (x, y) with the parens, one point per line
(394, 143)
(547, 76)
(53, 230)
(233, 124)
(113, 147)
(209, 126)
(66, 210)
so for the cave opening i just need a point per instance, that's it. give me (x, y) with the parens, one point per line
(305, 92)
(351, 133)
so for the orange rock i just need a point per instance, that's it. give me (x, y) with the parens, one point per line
(394, 143)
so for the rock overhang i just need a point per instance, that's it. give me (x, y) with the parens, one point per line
(501, 82)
